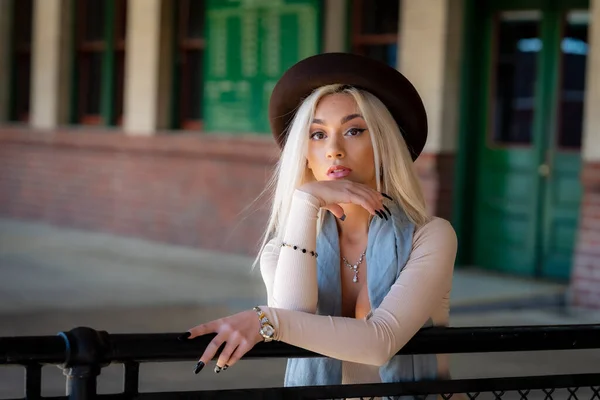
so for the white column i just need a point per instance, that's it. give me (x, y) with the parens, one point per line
(335, 29)
(591, 132)
(429, 55)
(51, 66)
(5, 56)
(147, 66)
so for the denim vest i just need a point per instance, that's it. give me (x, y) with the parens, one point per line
(388, 250)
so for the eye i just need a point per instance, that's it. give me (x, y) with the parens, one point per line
(317, 135)
(355, 131)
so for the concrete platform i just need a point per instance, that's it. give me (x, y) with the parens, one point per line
(45, 267)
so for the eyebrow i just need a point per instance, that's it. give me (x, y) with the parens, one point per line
(343, 120)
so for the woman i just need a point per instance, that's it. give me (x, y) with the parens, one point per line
(353, 265)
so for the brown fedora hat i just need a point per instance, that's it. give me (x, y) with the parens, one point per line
(386, 83)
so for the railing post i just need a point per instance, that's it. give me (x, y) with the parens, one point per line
(81, 382)
(86, 350)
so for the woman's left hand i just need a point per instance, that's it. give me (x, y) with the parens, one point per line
(240, 332)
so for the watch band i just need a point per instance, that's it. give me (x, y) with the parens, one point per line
(267, 330)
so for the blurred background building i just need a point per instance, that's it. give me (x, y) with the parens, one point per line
(148, 118)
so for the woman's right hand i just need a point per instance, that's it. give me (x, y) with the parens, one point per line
(333, 193)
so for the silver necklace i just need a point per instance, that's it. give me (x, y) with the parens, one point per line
(355, 266)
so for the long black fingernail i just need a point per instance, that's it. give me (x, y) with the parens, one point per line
(386, 196)
(218, 369)
(384, 214)
(343, 217)
(379, 214)
(199, 367)
(387, 209)
(184, 336)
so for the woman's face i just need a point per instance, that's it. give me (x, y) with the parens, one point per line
(339, 143)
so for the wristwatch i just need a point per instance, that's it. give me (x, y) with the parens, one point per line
(266, 328)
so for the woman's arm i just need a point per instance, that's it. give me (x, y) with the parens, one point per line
(290, 276)
(292, 280)
(413, 298)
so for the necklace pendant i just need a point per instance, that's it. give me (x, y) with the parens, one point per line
(355, 266)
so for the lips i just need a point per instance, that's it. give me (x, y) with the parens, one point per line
(338, 171)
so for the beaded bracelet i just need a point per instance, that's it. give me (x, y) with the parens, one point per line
(312, 253)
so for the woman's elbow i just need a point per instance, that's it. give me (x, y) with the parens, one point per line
(382, 346)
(381, 357)
(377, 355)
(375, 358)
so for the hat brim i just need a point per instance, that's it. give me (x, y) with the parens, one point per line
(386, 83)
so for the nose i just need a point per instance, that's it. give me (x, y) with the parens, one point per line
(335, 150)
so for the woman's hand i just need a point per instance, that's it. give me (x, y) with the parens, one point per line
(240, 332)
(333, 193)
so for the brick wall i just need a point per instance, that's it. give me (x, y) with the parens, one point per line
(436, 173)
(185, 189)
(585, 283)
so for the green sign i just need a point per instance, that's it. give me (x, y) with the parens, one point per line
(249, 44)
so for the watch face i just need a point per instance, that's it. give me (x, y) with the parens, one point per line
(268, 330)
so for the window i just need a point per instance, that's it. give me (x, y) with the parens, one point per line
(515, 66)
(189, 55)
(571, 101)
(100, 61)
(374, 29)
(22, 29)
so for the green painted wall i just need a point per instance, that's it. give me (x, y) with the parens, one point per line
(250, 43)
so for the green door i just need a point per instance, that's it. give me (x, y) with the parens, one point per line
(530, 124)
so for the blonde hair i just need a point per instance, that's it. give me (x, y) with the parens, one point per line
(395, 174)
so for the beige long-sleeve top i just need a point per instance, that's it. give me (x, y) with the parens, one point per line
(422, 291)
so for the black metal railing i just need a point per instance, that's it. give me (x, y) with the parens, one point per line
(83, 352)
